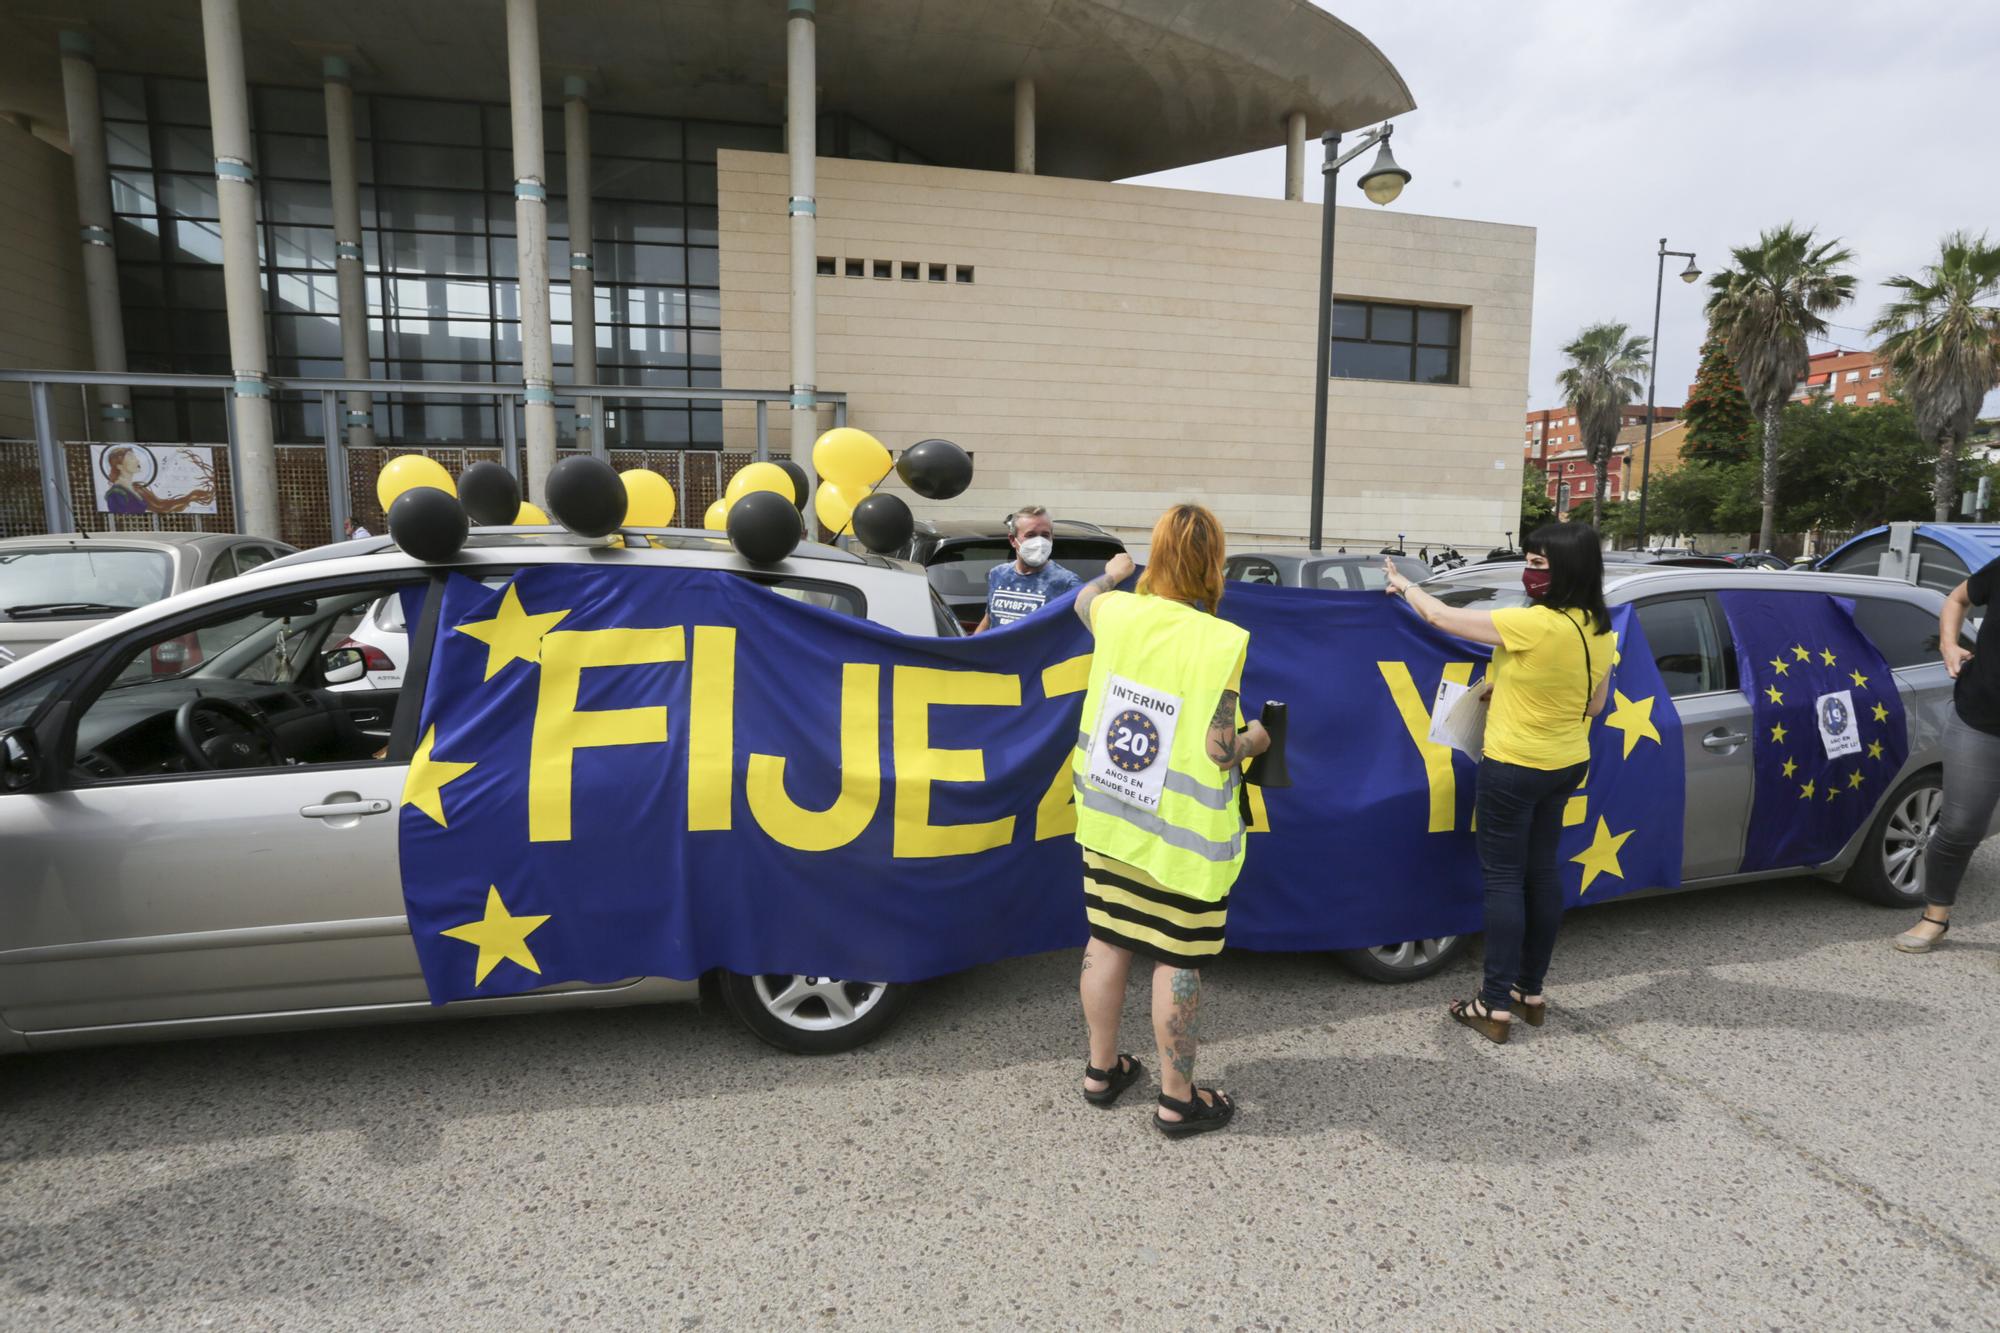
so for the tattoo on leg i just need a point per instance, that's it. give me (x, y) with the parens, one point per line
(1185, 986)
(1086, 960)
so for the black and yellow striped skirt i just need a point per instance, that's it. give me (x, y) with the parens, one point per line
(1129, 908)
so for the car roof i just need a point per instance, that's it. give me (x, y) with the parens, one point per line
(950, 529)
(1975, 544)
(1627, 582)
(552, 537)
(125, 541)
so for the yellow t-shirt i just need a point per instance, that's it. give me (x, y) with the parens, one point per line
(1539, 687)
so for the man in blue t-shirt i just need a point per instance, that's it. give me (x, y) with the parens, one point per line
(1032, 580)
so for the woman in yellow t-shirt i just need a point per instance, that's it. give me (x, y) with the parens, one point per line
(1551, 668)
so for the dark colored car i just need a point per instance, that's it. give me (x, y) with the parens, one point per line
(1340, 572)
(957, 553)
(1755, 560)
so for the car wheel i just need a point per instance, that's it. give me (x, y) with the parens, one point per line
(813, 1015)
(1890, 869)
(1412, 960)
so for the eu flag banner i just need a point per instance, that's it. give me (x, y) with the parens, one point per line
(649, 772)
(1829, 730)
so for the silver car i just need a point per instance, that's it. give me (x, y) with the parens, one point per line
(1696, 657)
(55, 586)
(213, 849)
(1342, 571)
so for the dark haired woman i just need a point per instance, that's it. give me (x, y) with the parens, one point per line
(1551, 668)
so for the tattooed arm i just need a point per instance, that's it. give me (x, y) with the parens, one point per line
(1116, 572)
(1228, 747)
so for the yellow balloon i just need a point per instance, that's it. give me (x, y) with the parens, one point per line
(851, 459)
(834, 504)
(407, 472)
(649, 499)
(760, 477)
(530, 517)
(717, 517)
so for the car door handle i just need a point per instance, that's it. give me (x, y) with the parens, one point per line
(344, 809)
(1723, 740)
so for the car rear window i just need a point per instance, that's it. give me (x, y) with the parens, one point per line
(54, 577)
(959, 570)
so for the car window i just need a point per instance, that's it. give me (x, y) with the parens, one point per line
(1905, 635)
(19, 706)
(1250, 569)
(44, 583)
(223, 568)
(947, 623)
(249, 557)
(959, 570)
(1686, 648)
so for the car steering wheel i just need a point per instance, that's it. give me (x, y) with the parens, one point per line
(228, 735)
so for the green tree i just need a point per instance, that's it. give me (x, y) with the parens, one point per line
(1848, 468)
(1601, 378)
(1720, 427)
(1941, 337)
(1536, 507)
(1765, 307)
(1704, 497)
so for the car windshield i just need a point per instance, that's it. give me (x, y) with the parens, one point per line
(959, 570)
(55, 583)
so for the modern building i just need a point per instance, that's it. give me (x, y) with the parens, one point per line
(679, 233)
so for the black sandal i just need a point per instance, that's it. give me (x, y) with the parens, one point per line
(1196, 1116)
(1122, 1077)
(1533, 1014)
(1476, 1014)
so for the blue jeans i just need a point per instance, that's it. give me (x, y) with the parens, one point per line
(1520, 821)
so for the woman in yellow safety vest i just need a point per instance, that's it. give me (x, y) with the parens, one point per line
(1158, 765)
(1551, 668)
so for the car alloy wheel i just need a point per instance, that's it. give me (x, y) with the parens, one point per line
(815, 1004)
(1412, 954)
(1907, 836)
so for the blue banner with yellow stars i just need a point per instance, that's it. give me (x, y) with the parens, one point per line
(1829, 724)
(656, 772)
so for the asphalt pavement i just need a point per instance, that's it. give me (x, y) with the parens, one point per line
(1746, 1110)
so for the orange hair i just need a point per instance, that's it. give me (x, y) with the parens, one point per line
(1186, 559)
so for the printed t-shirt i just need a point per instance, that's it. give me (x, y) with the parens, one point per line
(1012, 595)
(1541, 687)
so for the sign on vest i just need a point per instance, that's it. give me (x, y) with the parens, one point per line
(1128, 756)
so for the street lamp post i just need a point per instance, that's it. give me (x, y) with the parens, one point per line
(1688, 274)
(1381, 183)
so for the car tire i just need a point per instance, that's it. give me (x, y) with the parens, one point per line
(1412, 960)
(813, 1015)
(1890, 868)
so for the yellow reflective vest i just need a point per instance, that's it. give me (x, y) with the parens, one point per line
(1152, 652)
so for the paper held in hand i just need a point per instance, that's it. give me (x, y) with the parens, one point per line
(1458, 717)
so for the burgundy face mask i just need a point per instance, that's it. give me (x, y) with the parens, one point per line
(1536, 581)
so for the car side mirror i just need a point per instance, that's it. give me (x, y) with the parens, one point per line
(342, 666)
(20, 760)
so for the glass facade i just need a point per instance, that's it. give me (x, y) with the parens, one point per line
(438, 242)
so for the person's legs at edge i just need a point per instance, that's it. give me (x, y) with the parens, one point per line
(1504, 811)
(1102, 986)
(1176, 1003)
(1971, 790)
(1543, 887)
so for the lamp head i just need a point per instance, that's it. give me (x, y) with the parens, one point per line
(1690, 273)
(1385, 180)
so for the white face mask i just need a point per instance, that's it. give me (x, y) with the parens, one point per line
(1035, 551)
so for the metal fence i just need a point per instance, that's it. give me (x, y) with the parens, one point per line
(49, 484)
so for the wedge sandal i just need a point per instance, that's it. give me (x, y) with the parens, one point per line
(1476, 1014)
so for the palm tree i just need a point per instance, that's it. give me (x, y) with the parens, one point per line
(1765, 308)
(1601, 378)
(1941, 337)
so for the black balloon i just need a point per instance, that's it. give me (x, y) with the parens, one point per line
(798, 476)
(490, 494)
(883, 522)
(935, 469)
(427, 523)
(763, 528)
(585, 496)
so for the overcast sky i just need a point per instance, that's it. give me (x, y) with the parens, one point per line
(1607, 124)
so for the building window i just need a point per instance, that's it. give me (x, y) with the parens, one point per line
(1848, 399)
(937, 272)
(1874, 372)
(1875, 397)
(964, 273)
(827, 266)
(912, 270)
(1395, 342)
(1853, 375)
(857, 268)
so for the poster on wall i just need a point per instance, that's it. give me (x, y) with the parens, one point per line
(153, 478)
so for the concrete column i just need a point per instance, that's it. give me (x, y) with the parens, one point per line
(1024, 126)
(93, 210)
(348, 271)
(531, 221)
(582, 280)
(242, 285)
(801, 145)
(1295, 155)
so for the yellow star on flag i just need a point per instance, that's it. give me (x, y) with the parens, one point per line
(1790, 768)
(1806, 792)
(499, 934)
(1799, 651)
(1826, 656)
(1776, 696)
(1874, 749)
(1780, 665)
(1854, 778)
(1778, 733)
(1881, 713)
(1634, 717)
(428, 778)
(512, 634)
(1832, 792)
(1601, 857)
(1860, 681)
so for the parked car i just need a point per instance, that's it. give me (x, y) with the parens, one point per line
(1755, 560)
(1692, 647)
(214, 849)
(1339, 572)
(379, 633)
(957, 553)
(1945, 553)
(55, 586)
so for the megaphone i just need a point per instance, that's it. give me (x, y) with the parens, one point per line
(1268, 769)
